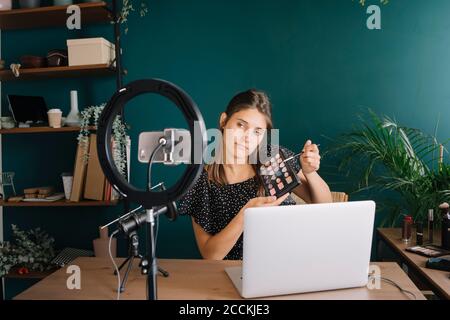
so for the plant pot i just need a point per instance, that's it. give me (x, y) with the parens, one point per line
(29, 3)
(5, 5)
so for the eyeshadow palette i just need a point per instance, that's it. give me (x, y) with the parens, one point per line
(428, 251)
(278, 176)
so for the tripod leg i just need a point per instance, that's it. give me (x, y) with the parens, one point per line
(163, 272)
(160, 270)
(125, 277)
(122, 265)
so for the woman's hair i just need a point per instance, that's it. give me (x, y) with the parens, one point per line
(250, 99)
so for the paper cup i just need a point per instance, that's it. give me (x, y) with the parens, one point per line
(54, 118)
(67, 184)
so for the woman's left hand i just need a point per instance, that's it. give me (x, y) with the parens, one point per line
(310, 159)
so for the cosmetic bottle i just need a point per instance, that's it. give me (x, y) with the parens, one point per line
(445, 225)
(419, 233)
(430, 225)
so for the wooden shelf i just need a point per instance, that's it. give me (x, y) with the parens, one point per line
(42, 130)
(13, 274)
(53, 16)
(59, 203)
(58, 72)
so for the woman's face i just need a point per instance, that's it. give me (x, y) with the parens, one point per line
(243, 132)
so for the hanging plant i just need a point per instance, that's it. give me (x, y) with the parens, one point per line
(89, 117)
(129, 6)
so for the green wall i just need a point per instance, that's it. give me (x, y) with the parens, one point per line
(316, 59)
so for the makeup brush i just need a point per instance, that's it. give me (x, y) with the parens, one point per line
(296, 155)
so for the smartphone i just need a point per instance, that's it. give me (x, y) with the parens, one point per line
(177, 150)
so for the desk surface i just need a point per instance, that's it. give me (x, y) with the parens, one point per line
(439, 279)
(191, 279)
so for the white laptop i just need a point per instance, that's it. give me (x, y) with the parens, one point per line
(305, 248)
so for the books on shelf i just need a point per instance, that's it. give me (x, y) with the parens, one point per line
(89, 181)
(79, 171)
(94, 188)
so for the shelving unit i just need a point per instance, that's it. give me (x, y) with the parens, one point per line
(42, 130)
(58, 72)
(56, 16)
(58, 203)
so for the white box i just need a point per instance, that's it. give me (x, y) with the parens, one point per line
(90, 51)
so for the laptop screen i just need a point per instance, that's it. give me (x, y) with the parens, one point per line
(28, 108)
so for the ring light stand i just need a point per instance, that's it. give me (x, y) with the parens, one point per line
(152, 202)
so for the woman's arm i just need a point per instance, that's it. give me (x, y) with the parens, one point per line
(217, 246)
(313, 188)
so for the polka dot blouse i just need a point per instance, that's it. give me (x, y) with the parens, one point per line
(213, 206)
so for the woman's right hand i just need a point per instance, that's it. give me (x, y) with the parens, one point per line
(265, 201)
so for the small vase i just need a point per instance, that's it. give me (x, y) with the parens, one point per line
(5, 5)
(73, 118)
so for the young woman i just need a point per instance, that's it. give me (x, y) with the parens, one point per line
(229, 185)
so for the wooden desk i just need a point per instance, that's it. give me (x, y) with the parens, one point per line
(438, 281)
(191, 279)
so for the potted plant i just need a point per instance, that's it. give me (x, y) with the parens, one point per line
(89, 117)
(31, 250)
(405, 166)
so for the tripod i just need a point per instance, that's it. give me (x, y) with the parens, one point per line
(132, 254)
